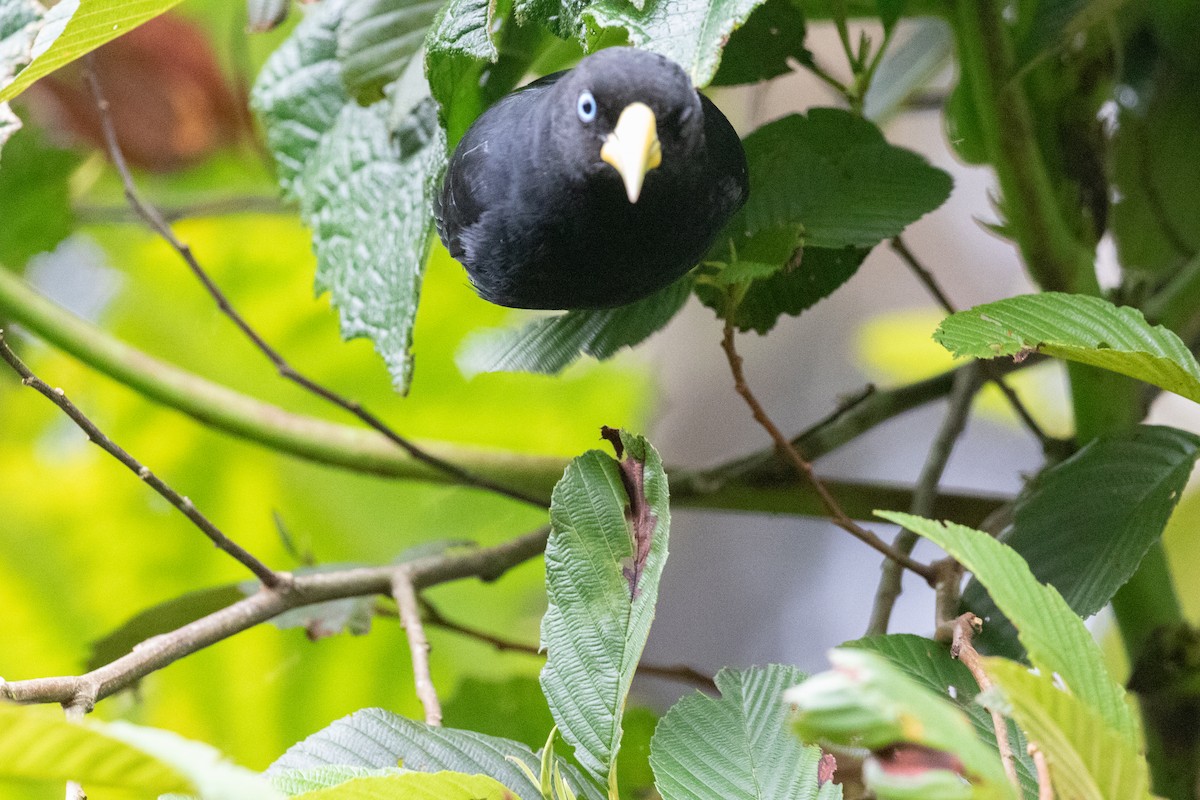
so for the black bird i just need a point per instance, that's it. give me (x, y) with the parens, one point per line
(591, 188)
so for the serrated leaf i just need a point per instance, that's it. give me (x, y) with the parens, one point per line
(765, 47)
(550, 344)
(834, 173)
(691, 33)
(930, 664)
(738, 746)
(1077, 328)
(602, 574)
(415, 786)
(297, 781)
(374, 738)
(39, 744)
(1084, 525)
(368, 206)
(377, 39)
(299, 92)
(73, 28)
(1054, 637)
(865, 701)
(1087, 758)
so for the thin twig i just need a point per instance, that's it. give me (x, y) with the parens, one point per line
(966, 386)
(923, 274)
(965, 628)
(75, 713)
(223, 206)
(680, 673)
(154, 219)
(418, 646)
(1045, 785)
(183, 504)
(159, 651)
(789, 451)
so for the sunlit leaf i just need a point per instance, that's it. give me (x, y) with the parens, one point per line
(738, 746)
(1079, 328)
(415, 786)
(602, 574)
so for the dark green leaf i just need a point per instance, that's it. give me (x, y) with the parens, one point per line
(692, 32)
(1080, 328)
(738, 746)
(377, 39)
(608, 543)
(512, 709)
(368, 205)
(765, 46)
(964, 128)
(162, 618)
(1084, 525)
(890, 12)
(1054, 22)
(35, 198)
(548, 345)
(835, 174)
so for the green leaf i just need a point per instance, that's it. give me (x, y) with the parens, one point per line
(602, 574)
(75, 27)
(35, 197)
(736, 747)
(39, 744)
(1054, 637)
(692, 33)
(374, 738)
(297, 781)
(1087, 758)
(415, 786)
(1084, 525)
(908, 67)
(865, 701)
(765, 46)
(550, 344)
(368, 206)
(299, 92)
(930, 664)
(377, 39)
(1077, 328)
(835, 174)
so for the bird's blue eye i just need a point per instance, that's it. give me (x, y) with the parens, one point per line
(586, 107)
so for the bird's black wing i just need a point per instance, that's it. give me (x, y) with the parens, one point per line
(726, 158)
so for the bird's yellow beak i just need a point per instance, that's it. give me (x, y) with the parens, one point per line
(633, 147)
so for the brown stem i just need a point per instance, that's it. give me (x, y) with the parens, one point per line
(965, 628)
(159, 651)
(183, 504)
(418, 645)
(1045, 785)
(154, 219)
(789, 451)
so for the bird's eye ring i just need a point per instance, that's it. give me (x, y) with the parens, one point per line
(586, 106)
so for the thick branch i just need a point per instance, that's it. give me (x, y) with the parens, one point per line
(183, 504)
(155, 653)
(155, 221)
(805, 470)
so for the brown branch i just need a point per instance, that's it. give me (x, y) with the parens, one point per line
(418, 645)
(154, 219)
(966, 385)
(965, 628)
(215, 207)
(183, 504)
(679, 672)
(993, 371)
(157, 652)
(1045, 785)
(789, 451)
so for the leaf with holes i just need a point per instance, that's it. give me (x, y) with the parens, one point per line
(1054, 637)
(1084, 524)
(1077, 328)
(738, 746)
(608, 544)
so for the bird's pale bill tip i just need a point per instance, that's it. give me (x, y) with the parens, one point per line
(633, 148)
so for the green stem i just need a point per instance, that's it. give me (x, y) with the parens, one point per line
(745, 485)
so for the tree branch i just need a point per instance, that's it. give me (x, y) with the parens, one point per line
(183, 504)
(418, 645)
(788, 450)
(965, 628)
(155, 653)
(156, 223)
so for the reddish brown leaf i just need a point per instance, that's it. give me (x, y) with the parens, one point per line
(639, 516)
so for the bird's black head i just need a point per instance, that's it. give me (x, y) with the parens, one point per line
(621, 113)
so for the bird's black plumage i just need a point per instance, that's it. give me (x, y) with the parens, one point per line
(540, 220)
